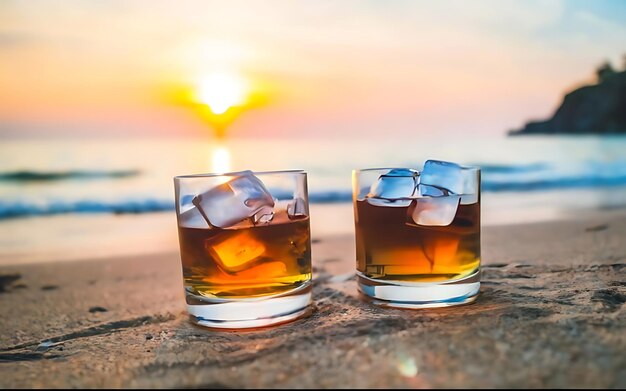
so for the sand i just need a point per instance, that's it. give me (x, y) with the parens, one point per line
(550, 314)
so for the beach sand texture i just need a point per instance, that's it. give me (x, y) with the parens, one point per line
(550, 314)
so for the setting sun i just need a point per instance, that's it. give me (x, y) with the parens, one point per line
(221, 91)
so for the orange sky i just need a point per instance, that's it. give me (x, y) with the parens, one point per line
(322, 68)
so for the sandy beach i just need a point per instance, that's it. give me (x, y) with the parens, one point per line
(550, 314)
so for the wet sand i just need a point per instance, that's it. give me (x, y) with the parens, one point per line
(550, 314)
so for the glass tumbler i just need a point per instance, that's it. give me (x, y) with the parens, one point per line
(245, 247)
(418, 234)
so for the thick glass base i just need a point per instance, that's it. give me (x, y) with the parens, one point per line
(401, 294)
(249, 313)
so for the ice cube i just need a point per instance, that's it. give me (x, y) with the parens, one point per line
(397, 183)
(296, 209)
(244, 196)
(192, 218)
(453, 177)
(388, 203)
(434, 211)
(393, 188)
(431, 191)
(263, 216)
(235, 251)
(441, 251)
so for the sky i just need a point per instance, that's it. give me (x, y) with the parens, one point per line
(310, 68)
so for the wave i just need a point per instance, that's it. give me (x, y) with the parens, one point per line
(28, 176)
(489, 183)
(43, 176)
(23, 209)
(565, 183)
(496, 186)
(511, 169)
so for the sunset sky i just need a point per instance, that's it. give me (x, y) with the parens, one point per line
(301, 68)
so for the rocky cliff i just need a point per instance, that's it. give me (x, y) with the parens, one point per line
(592, 109)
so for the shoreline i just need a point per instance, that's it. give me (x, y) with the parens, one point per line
(166, 242)
(86, 237)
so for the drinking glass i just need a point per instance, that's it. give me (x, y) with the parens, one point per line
(245, 247)
(418, 234)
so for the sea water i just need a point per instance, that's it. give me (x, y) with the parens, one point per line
(92, 192)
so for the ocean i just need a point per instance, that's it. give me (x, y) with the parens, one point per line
(57, 195)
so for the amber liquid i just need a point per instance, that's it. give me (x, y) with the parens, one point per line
(391, 247)
(250, 261)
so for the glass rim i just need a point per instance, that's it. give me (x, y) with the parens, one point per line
(237, 173)
(359, 170)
